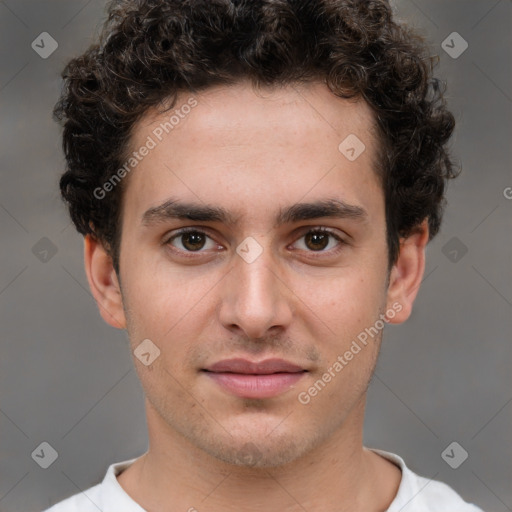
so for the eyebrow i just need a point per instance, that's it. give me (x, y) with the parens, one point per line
(176, 209)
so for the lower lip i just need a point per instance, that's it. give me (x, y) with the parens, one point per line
(255, 386)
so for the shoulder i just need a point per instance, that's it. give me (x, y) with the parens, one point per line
(107, 496)
(87, 501)
(436, 496)
(420, 494)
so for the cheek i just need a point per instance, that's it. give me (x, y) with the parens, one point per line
(171, 309)
(160, 298)
(343, 303)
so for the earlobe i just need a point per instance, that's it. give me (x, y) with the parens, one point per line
(103, 282)
(407, 274)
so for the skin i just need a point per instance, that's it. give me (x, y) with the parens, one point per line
(252, 153)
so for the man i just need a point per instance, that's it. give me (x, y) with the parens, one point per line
(256, 183)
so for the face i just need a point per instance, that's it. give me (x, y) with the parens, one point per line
(257, 275)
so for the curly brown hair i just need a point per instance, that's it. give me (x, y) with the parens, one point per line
(151, 50)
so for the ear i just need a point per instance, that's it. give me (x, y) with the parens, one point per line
(103, 282)
(407, 274)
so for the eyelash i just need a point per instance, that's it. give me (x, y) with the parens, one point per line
(315, 230)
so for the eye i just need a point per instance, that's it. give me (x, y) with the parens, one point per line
(193, 240)
(190, 240)
(318, 239)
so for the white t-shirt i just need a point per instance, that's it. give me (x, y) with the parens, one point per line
(415, 494)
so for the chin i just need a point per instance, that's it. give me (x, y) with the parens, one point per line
(263, 453)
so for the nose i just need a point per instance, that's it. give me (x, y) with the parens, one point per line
(255, 297)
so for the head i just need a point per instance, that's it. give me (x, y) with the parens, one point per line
(246, 108)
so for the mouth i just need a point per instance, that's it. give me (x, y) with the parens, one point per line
(247, 379)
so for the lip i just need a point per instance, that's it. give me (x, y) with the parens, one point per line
(245, 366)
(247, 379)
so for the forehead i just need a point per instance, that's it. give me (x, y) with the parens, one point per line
(243, 112)
(253, 145)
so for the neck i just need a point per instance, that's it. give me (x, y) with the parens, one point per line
(338, 475)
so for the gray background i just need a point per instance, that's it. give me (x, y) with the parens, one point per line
(66, 377)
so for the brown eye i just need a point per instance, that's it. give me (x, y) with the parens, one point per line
(193, 241)
(317, 241)
(190, 241)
